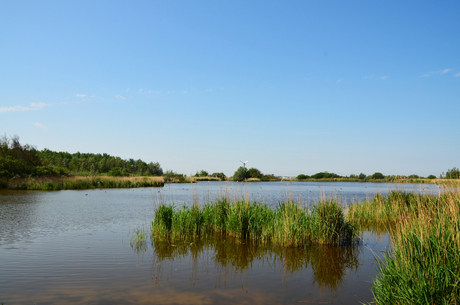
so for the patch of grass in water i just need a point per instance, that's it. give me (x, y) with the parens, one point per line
(423, 266)
(288, 226)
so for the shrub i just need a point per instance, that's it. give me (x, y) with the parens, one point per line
(255, 173)
(241, 174)
(378, 175)
(116, 171)
(302, 177)
(431, 177)
(221, 176)
(325, 175)
(361, 176)
(453, 173)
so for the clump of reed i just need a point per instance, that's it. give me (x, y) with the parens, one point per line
(289, 225)
(423, 266)
(139, 239)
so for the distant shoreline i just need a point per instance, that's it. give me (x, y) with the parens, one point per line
(93, 182)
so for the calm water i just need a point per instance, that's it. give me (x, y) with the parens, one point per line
(71, 247)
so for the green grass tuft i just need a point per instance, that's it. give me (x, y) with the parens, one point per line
(289, 225)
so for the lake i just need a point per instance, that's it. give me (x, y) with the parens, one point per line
(69, 247)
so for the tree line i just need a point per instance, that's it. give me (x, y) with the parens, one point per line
(17, 160)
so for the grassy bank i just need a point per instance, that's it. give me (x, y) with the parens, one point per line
(385, 180)
(79, 183)
(424, 265)
(289, 225)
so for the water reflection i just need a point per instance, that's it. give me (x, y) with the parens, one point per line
(224, 256)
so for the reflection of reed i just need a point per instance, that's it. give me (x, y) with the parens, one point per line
(328, 263)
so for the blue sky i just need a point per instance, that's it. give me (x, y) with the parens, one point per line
(292, 86)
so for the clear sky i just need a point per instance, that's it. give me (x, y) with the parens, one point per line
(292, 86)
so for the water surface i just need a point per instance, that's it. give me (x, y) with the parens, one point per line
(69, 247)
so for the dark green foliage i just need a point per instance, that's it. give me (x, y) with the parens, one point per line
(289, 225)
(411, 176)
(431, 177)
(361, 176)
(221, 176)
(17, 160)
(202, 173)
(115, 172)
(302, 177)
(241, 174)
(255, 173)
(378, 175)
(352, 176)
(99, 163)
(325, 175)
(453, 173)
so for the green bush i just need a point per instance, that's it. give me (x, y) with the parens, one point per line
(378, 175)
(255, 173)
(453, 173)
(241, 174)
(325, 175)
(302, 177)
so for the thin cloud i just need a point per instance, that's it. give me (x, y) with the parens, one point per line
(41, 126)
(127, 90)
(338, 81)
(33, 106)
(368, 77)
(457, 75)
(383, 77)
(436, 72)
(120, 96)
(140, 91)
(184, 92)
(80, 95)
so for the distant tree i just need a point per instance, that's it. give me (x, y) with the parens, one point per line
(361, 176)
(414, 176)
(453, 173)
(325, 175)
(302, 177)
(352, 176)
(155, 169)
(255, 173)
(431, 177)
(377, 175)
(241, 174)
(116, 171)
(221, 176)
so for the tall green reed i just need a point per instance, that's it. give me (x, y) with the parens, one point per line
(289, 225)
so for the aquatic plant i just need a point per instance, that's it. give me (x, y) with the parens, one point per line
(289, 225)
(423, 266)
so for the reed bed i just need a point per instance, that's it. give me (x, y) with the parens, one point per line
(423, 266)
(288, 226)
(79, 183)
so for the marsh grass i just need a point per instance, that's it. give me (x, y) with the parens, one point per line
(288, 226)
(423, 266)
(79, 183)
